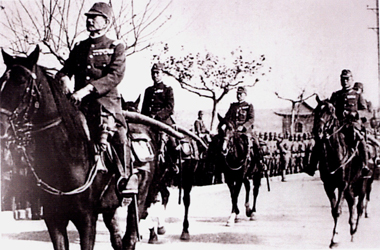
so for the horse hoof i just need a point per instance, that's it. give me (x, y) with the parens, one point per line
(333, 244)
(161, 230)
(252, 217)
(153, 239)
(185, 236)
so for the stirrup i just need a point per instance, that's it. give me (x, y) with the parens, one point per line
(131, 185)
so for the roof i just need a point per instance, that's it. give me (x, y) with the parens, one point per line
(301, 109)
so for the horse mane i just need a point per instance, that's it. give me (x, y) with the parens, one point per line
(67, 111)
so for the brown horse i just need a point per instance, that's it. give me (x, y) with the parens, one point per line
(186, 160)
(62, 161)
(339, 167)
(229, 152)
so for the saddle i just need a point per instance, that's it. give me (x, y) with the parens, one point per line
(141, 147)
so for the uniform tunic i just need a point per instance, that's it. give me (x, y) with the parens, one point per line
(348, 102)
(241, 114)
(100, 62)
(159, 103)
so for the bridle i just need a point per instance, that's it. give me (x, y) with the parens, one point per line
(20, 118)
(327, 125)
(228, 141)
(22, 128)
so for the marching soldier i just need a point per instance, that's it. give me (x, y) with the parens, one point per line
(98, 64)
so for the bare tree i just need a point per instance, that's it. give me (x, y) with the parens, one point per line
(300, 99)
(211, 76)
(58, 24)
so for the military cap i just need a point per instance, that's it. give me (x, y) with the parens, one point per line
(241, 90)
(157, 67)
(346, 73)
(358, 85)
(100, 9)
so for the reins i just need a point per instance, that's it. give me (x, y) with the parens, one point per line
(327, 137)
(22, 136)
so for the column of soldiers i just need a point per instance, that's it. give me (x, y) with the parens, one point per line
(286, 154)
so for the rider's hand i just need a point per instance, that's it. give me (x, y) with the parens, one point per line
(77, 96)
(241, 129)
(65, 83)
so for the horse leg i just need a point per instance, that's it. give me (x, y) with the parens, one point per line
(247, 185)
(112, 223)
(162, 213)
(352, 203)
(367, 196)
(256, 186)
(86, 226)
(235, 190)
(187, 181)
(57, 230)
(130, 238)
(336, 210)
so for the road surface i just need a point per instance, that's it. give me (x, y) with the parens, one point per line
(293, 215)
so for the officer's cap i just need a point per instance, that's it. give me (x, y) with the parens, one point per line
(100, 9)
(241, 90)
(157, 67)
(358, 85)
(346, 73)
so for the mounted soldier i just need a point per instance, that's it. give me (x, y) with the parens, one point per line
(348, 104)
(98, 65)
(242, 115)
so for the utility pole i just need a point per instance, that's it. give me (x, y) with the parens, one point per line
(376, 29)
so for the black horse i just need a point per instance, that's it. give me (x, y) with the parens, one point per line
(175, 167)
(339, 167)
(37, 114)
(229, 151)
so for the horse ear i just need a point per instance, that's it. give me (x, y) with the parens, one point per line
(8, 59)
(317, 98)
(220, 118)
(138, 100)
(33, 57)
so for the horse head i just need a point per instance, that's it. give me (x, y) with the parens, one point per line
(324, 117)
(18, 90)
(130, 105)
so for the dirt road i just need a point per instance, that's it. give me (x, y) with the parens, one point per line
(293, 215)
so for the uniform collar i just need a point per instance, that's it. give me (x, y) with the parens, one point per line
(98, 39)
(158, 85)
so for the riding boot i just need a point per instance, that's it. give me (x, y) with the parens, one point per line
(362, 147)
(314, 160)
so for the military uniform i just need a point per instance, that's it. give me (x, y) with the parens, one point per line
(241, 114)
(159, 103)
(98, 65)
(347, 103)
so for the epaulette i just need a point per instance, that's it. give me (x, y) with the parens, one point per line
(117, 42)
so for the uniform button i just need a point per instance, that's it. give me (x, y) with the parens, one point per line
(87, 78)
(92, 45)
(91, 56)
(89, 66)
(104, 65)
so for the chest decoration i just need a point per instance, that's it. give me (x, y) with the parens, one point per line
(99, 52)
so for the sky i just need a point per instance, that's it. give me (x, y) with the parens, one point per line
(306, 43)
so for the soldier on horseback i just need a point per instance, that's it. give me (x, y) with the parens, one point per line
(159, 104)
(242, 115)
(347, 102)
(98, 64)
